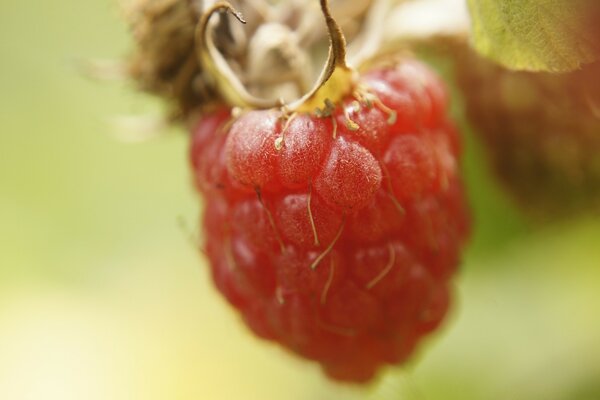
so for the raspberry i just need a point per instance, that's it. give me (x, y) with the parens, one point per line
(336, 236)
(540, 130)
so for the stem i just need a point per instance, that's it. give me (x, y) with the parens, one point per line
(335, 80)
(337, 42)
(209, 57)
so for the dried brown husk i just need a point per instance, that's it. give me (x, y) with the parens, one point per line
(164, 61)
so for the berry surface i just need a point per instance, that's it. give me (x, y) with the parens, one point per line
(337, 236)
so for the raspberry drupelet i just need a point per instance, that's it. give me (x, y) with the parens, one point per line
(337, 235)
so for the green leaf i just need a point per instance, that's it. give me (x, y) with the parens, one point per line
(535, 35)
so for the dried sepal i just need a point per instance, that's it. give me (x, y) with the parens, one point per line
(163, 31)
(165, 61)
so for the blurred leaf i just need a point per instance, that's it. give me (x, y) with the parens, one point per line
(535, 35)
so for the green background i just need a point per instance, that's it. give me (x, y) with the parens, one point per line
(103, 296)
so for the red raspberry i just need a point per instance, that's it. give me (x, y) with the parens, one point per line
(336, 236)
(540, 130)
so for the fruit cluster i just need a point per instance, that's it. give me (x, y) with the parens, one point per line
(337, 234)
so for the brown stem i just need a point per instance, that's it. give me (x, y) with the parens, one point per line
(210, 58)
(337, 42)
(334, 82)
(336, 72)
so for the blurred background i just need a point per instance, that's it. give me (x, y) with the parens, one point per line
(103, 296)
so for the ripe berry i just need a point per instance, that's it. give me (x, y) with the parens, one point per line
(541, 130)
(337, 235)
(333, 223)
